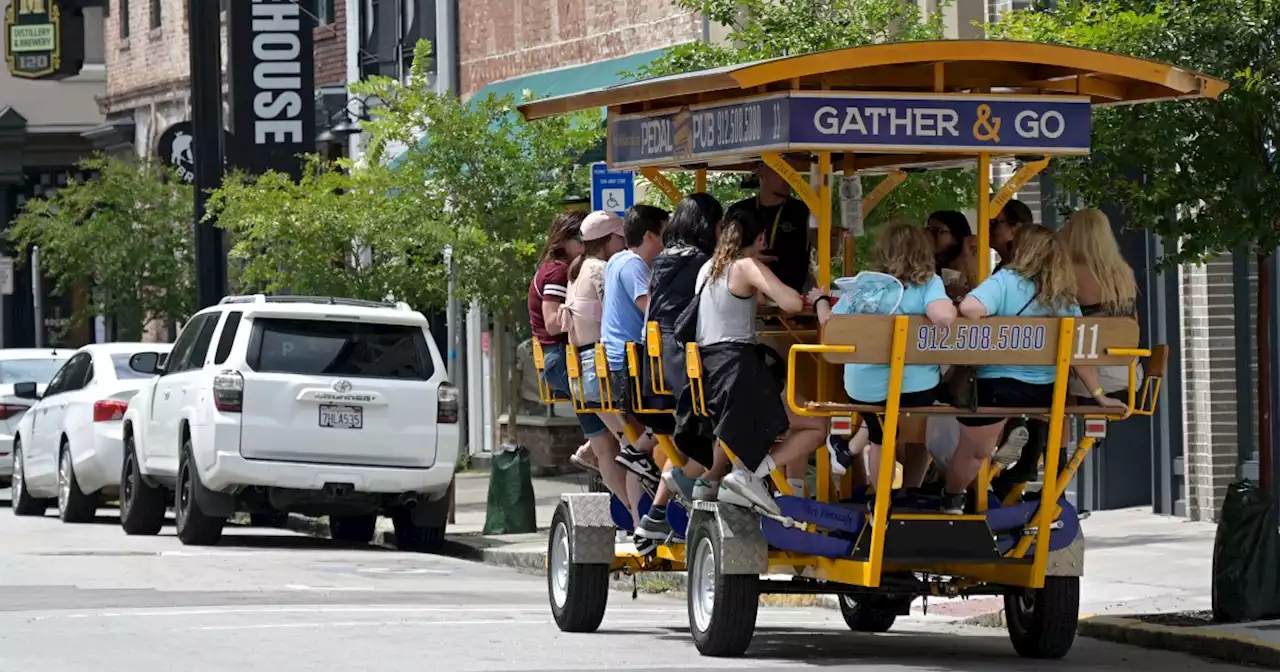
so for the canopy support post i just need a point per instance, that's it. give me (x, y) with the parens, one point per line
(662, 183)
(700, 181)
(984, 216)
(798, 183)
(1018, 181)
(891, 182)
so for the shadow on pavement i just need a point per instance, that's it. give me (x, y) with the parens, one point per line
(289, 542)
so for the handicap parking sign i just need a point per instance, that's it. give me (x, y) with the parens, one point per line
(612, 191)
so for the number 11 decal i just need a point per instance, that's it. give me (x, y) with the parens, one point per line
(1083, 335)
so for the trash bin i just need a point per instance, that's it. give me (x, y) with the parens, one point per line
(1246, 556)
(511, 508)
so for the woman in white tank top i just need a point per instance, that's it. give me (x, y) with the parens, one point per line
(744, 394)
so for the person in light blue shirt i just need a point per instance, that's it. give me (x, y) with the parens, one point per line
(904, 283)
(626, 298)
(1038, 282)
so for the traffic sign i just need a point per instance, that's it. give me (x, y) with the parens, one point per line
(6, 276)
(612, 190)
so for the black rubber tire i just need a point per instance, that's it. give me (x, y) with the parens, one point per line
(737, 600)
(194, 527)
(353, 529)
(586, 586)
(865, 615)
(23, 503)
(275, 520)
(415, 538)
(79, 507)
(142, 506)
(1042, 623)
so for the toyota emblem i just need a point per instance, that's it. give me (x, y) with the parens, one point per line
(342, 386)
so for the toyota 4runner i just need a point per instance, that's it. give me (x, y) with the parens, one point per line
(317, 406)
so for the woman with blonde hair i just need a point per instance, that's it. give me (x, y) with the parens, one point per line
(903, 281)
(1105, 285)
(1039, 281)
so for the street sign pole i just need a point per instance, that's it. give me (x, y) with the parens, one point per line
(206, 122)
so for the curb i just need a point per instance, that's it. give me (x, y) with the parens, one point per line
(1218, 645)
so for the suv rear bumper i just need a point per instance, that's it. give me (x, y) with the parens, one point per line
(229, 470)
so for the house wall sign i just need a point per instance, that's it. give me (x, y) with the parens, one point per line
(43, 39)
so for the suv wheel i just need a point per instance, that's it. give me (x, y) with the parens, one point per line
(73, 505)
(23, 503)
(141, 506)
(194, 527)
(416, 538)
(355, 529)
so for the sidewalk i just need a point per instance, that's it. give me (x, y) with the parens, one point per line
(1147, 577)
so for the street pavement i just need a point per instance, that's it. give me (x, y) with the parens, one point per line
(77, 597)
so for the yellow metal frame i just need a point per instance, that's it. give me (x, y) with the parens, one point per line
(1105, 78)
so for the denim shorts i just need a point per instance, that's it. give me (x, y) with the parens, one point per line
(558, 378)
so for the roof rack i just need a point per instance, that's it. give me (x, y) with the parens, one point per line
(328, 300)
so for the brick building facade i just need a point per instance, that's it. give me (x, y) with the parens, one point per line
(502, 39)
(148, 64)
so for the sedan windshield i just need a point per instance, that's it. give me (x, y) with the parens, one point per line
(38, 371)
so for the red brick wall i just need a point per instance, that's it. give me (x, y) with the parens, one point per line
(501, 39)
(331, 48)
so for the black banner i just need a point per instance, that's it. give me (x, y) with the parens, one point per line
(272, 83)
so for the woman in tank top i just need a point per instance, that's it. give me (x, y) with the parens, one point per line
(743, 393)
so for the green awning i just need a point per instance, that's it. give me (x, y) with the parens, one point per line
(564, 81)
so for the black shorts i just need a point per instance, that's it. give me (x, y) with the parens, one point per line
(875, 431)
(1008, 393)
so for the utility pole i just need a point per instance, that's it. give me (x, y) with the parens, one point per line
(207, 137)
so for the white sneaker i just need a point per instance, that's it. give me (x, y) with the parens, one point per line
(745, 485)
(1010, 452)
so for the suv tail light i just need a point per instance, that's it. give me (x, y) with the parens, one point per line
(447, 404)
(109, 409)
(228, 391)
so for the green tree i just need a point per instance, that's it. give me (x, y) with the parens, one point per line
(492, 182)
(764, 29)
(126, 235)
(1204, 173)
(334, 232)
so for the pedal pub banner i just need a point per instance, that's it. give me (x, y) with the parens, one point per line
(272, 82)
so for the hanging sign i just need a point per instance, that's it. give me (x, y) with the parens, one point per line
(852, 122)
(272, 82)
(43, 39)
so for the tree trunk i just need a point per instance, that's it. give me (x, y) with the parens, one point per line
(1264, 370)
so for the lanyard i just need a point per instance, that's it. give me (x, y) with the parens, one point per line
(773, 233)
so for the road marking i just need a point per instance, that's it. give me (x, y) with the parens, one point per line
(401, 570)
(369, 609)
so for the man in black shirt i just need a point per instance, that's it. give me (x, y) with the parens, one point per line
(786, 228)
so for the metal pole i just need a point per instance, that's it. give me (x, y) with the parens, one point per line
(207, 135)
(37, 296)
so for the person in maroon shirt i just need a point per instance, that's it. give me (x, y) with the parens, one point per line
(547, 293)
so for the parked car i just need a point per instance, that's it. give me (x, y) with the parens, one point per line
(67, 448)
(318, 406)
(21, 365)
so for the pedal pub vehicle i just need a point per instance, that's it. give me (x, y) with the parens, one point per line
(876, 109)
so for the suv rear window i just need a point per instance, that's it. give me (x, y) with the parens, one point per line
(328, 348)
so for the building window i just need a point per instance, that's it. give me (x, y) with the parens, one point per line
(324, 12)
(155, 14)
(124, 19)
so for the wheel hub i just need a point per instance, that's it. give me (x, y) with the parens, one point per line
(17, 485)
(560, 566)
(64, 482)
(702, 592)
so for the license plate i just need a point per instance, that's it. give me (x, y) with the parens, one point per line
(341, 417)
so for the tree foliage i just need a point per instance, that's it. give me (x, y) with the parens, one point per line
(763, 29)
(439, 174)
(126, 235)
(1202, 172)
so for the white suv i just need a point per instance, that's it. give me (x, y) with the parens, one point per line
(282, 404)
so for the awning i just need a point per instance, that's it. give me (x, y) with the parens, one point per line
(564, 82)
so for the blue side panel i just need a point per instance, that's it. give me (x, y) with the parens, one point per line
(826, 516)
(679, 518)
(799, 541)
(1058, 539)
(622, 517)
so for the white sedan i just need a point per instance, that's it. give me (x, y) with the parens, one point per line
(21, 365)
(67, 449)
